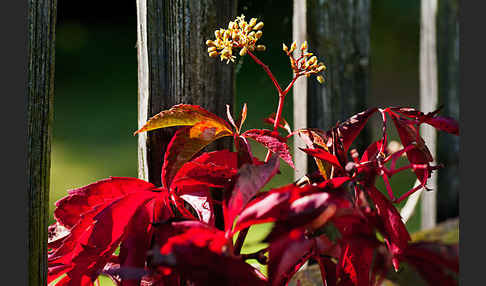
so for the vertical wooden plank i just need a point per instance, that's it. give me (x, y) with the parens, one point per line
(40, 92)
(448, 180)
(428, 101)
(299, 91)
(339, 32)
(174, 68)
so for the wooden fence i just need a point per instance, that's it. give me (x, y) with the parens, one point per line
(174, 68)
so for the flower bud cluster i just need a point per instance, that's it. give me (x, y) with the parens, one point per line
(240, 34)
(306, 64)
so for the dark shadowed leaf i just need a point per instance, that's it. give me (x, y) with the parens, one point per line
(396, 232)
(251, 178)
(286, 255)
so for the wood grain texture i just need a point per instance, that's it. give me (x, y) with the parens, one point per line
(40, 91)
(428, 102)
(174, 68)
(299, 91)
(339, 33)
(448, 180)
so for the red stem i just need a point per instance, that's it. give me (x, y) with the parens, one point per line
(267, 69)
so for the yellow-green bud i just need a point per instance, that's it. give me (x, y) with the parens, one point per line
(285, 48)
(292, 47)
(320, 79)
(243, 51)
(258, 26)
(258, 34)
(304, 46)
(261, 48)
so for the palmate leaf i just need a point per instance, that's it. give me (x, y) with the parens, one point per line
(81, 200)
(193, 182)
(251, 178)
(272, 141)
(203, 255)
(442, 123)
(420, 154)
(94, 238)
(186, 142)
(350, 129)
(183, 115)
(286, 255)
(395, 231)
(355, 264)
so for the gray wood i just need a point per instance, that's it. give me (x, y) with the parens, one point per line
(174, 68)
(448, 145)
(339, 33)
(428, 102)
(40, 91)
(299, 91)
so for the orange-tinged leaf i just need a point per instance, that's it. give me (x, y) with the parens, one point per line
(182, 115)
(186, 143)
(315, 138)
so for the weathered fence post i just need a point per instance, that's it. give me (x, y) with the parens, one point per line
(40, 92)
(339, 32)
(428, 101)
(174, 67)
(299, 91)
(447, 145)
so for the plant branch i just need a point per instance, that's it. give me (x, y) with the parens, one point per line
(259, 256)
(240, 240)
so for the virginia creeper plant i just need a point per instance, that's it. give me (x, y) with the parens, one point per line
(141, 234)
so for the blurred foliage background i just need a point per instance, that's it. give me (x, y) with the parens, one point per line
(95, 102)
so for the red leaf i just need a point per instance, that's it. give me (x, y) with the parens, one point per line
(203, 255)
(251, 179)
(437, 263)
(272, 141)
(396, 232)
(209, 174)
(186, 142)
(199, 198)
(418, 155)
(282, 124)
(324, 155)
(351, 128)
(134, 246)
(81, 200)
(444, 123)
(95, 237)
(355, 264)
(371, 152)
(293, 206)
(265, 208)
(286, 255)
(315, 139)
(244, 151)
